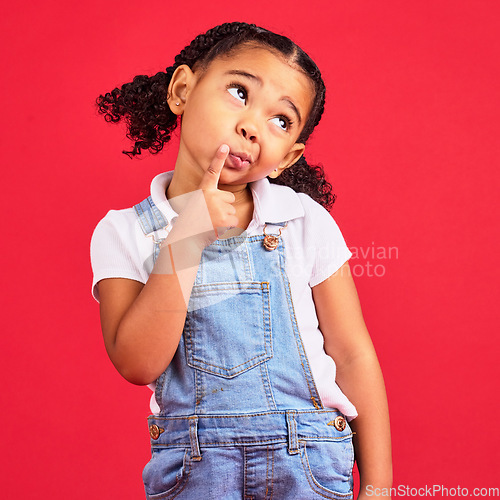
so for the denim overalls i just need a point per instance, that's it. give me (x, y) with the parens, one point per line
(240, 415)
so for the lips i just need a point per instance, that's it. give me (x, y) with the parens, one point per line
(238, 160)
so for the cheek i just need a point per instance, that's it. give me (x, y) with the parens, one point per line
(204, 119)
(203, 137)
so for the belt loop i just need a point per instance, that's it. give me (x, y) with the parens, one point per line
(193, 439)
(293, 443)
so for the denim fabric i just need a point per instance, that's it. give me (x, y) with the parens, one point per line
(240, 415)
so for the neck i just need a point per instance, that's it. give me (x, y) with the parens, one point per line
(242, 193)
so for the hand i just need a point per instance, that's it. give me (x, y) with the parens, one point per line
(219, 203)
(208, 212)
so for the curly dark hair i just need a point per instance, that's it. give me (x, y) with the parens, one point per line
(150, 122)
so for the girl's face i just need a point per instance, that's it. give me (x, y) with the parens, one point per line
(251, 100)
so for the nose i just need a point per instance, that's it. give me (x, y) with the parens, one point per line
(247, 127)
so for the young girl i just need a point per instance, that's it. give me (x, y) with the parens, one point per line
(228, 289)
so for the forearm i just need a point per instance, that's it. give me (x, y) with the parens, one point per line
(149, 332)
(362, 381)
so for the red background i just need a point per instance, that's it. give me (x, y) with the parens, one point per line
(409, 141)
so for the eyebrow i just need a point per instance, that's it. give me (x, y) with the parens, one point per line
(256, 79)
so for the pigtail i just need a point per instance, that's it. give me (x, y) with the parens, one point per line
(143, 105)
(308, 179)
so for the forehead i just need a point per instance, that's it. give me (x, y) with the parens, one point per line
(275, 72)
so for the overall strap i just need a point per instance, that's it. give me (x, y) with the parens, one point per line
(151, 221)
(282, 224)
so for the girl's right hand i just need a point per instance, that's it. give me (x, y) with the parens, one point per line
(219, 203)
(209, 211)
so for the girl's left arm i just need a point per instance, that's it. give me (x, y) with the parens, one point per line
(359, 377)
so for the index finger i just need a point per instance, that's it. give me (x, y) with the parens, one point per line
(211, 177)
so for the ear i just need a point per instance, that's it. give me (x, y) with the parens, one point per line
(179, 87)
(296, 151)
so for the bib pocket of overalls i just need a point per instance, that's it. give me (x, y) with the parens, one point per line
(166, 474)
(228, 327)
(328, 466)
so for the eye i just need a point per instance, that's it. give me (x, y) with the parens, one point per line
(238, 92)
(282, 121)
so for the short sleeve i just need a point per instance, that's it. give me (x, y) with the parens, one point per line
(113, 250)
(329, 248)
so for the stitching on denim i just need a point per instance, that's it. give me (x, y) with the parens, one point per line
(150, 216)
(267, 472)
(235, 286)
(235, 443)
(272, 473)
(151, 221)
(187, 334)
(198, 390)
(300, 347)
(237, 366)
(260, 414)
(264, 373)
(237, 259)
(199, 274)
(294, 424)
(302, 438)
(249, 443)
(185, 482)
(204, 366)
(352, 453)
(139, 210)
(249, 286)
(267, 469)
(157, 215)
(329, 438)
(249, 363)
(172, 491)
(292, 311)
(310, 477)
(193, 438)
(266, 317)
(243, 255)
(245, 472)
(238, 239)
(292, 432)
(146, 226)
(249, 267)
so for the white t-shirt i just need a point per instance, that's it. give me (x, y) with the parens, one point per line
(314, 250)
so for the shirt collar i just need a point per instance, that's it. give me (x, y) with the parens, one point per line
(272, 203)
